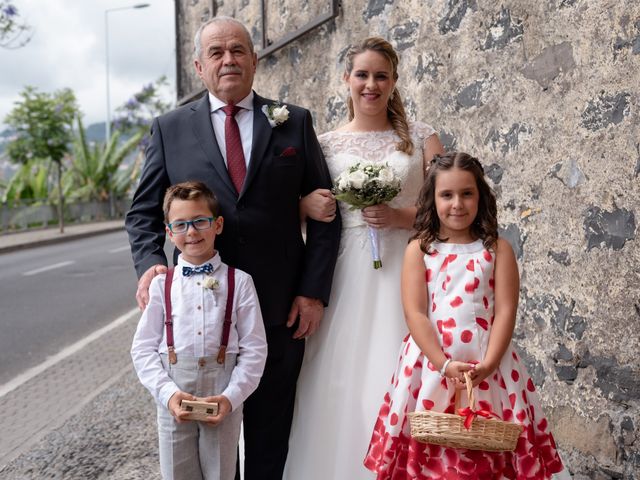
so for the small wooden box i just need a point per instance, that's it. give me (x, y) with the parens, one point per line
(199, 410)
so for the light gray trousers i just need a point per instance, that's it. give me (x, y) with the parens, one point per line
(195, 450)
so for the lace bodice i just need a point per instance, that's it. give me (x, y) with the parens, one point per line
(343, 149)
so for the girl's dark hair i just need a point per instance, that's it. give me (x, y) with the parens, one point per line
(395, 108)
(427, 224)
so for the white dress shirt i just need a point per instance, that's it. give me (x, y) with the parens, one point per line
(198, 316)
(244, 119)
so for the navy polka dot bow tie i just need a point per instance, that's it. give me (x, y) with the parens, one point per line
(188, 271)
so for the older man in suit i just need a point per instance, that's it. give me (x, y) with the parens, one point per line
(259, 163)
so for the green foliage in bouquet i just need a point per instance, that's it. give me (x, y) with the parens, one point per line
(366, 184)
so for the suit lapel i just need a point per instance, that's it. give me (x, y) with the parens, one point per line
(261, 137)
(201, 123)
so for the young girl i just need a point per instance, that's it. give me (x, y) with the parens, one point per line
(462, 321)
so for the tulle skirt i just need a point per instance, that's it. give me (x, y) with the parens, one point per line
(349, 362)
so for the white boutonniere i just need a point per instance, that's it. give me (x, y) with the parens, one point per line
(276, 114)
(211, 283)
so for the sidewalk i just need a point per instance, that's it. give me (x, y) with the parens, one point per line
(35, 238)
(82, 413)
(85, 416)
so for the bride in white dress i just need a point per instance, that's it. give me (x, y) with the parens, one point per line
(349, 360)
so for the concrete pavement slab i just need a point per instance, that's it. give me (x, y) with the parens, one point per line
(112, 437)
(70, 395)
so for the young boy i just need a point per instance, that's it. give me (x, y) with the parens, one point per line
(193, 356)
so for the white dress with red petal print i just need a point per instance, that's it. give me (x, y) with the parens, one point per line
(460, 285)
(348, 362)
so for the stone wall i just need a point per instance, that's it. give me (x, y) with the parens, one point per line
(546, 95)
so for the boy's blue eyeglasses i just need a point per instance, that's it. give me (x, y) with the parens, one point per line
(181, 226)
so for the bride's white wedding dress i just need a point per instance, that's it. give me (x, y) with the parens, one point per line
(348, 362)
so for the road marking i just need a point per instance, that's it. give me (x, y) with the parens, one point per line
(70, 350)
(48, 267)
(120, 249)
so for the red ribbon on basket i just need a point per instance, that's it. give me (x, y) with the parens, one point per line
(470, 414)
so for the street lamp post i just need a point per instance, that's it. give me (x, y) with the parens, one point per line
(106, 43)
(107, 130)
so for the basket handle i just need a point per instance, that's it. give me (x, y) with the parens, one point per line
(469, 384)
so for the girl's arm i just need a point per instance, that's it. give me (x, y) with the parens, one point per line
(415, 301)
(506, 289)
(318, 205)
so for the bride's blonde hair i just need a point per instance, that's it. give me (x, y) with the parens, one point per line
(395, 108)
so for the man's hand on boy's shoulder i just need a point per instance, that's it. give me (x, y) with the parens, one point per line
(174, 406)
(142, 294)
(224, 408)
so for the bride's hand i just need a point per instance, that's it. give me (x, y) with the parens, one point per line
(379, 216)
(319, 205)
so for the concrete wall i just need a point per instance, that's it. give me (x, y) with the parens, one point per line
(546, 94)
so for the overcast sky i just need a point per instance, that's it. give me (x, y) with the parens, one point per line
(68, 50)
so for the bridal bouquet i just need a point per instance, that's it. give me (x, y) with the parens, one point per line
(363, 185)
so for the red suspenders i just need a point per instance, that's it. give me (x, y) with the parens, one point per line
(168, 319)
(226, 327)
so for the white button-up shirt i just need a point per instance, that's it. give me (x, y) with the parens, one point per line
(198, 316)
(244, 119)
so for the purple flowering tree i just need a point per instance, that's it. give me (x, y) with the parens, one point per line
(14, 32)
(139, 111)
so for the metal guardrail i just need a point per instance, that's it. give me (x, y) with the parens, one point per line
(38, 214)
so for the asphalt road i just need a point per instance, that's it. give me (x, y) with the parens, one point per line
(53, 296)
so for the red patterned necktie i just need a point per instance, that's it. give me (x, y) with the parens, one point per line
(235, 154)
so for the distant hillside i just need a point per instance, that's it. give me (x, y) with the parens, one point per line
(6, 168)
(4, 138)
(94, 133)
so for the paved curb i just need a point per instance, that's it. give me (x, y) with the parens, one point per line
(23, 240)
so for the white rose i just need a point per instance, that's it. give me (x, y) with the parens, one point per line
(265, 110)
(357, 179)
(343, 181)
(386, 176)
(280, 114)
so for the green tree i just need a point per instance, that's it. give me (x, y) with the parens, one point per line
(14, 33)
(95, 170)
(43, 130)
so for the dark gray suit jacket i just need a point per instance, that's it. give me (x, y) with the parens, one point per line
(262, 234)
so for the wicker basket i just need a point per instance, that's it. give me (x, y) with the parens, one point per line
(448, 430)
